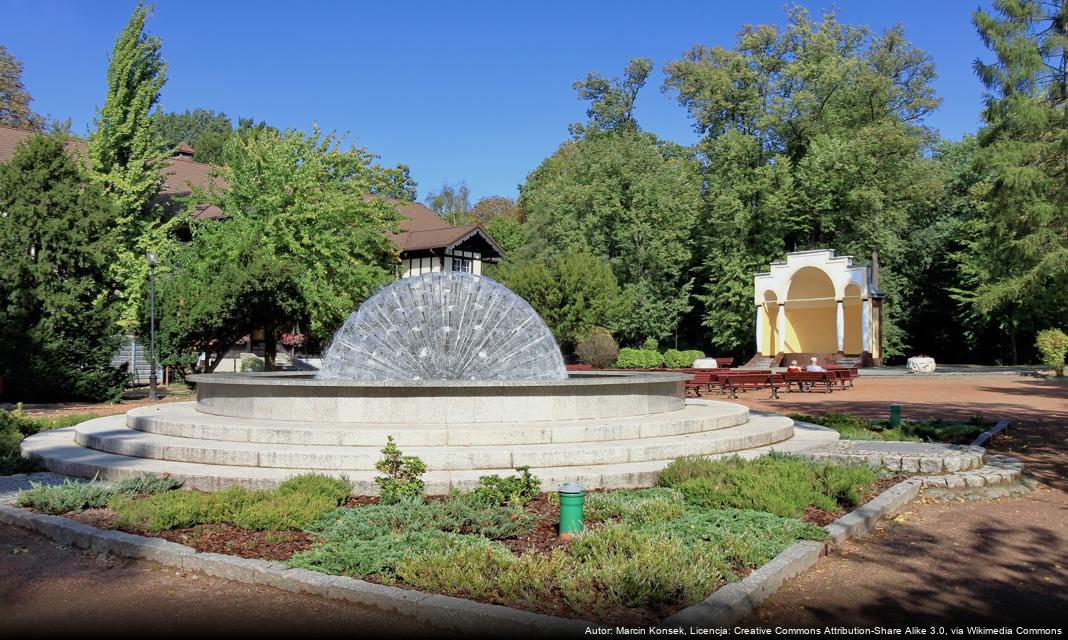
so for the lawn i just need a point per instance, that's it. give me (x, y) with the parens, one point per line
(15, 426)
(854, 427)
(644, 553)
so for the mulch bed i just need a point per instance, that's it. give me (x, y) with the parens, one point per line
(545, 536)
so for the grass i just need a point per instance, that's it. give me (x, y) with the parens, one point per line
(775, 483)
(854, 427)
(15, 426)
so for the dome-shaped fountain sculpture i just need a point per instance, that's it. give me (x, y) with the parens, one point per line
(446, 325)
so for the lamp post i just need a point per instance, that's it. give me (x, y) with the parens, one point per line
(150, 257)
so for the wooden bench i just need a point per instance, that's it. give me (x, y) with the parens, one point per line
(807, 380)
(732, 382)
(724, 362)
(844, 375)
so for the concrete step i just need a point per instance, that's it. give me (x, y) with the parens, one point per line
(182, 420)
(111, 435)
(61, 454)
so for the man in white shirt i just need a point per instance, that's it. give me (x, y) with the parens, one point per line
(814, 366)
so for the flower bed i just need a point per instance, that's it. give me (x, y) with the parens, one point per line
(854, 427)
(644, 554)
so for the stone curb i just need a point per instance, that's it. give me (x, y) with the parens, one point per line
(441, 612)
(734, 601)
(997, 470)
(989, 434)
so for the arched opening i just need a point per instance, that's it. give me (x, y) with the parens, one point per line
(811, 313)
(770, 330)
(852, 304)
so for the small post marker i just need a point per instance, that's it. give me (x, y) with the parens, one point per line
(895, 415)
(571, 497)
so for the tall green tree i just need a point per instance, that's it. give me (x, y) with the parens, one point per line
(813, 136)
(573, 292)
(393, 182)
(125, 152)
(622, 195)
(56, 300)
(1017, 263)
(204, 130)
(14, 98)
(299, 246)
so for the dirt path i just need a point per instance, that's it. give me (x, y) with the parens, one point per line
(49, 589)
(1001, 562)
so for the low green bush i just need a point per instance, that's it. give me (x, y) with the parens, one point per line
(675, 359)
(775, 483)
(641, 506)
(66, 497)
(512, 490)
(295, 504)
(76, 496)
(1052, 344)
(598, 348)
(360, 557)
(638, 359)
(854, 427)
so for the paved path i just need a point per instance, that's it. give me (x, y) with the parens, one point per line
(49, 589)
(1003, 562)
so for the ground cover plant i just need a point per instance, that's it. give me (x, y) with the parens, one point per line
(854, 427)
(15, 426)
(76, 496)
(783, 485)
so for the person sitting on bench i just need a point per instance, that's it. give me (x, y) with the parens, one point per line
(793, 368)
(814, 365)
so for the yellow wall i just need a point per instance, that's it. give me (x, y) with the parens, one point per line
(769, 341)
(810, 330)
(853, 331)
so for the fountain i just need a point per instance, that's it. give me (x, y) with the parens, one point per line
(460, 371)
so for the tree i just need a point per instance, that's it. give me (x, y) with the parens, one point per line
(393, 182)
(491, 207)
(125, 152)
(453, 203)
(612, 101)
(14, 99)
(57, 333)
(631, 200)
(572, 292)
(202, 129)
(299, 245)
(1017, 262)
(813, 136)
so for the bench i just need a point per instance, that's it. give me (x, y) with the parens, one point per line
(807, 380)
(732, 382)
(844, 375)
(724, 362)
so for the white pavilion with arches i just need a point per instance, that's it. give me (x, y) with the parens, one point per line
(818, 304)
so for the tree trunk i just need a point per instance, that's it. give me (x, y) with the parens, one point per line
(270, 349)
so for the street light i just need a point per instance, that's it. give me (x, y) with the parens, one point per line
(151, 258)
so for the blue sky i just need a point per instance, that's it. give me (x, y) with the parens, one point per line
(473, 91)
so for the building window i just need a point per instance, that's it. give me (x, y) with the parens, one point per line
(461, 264)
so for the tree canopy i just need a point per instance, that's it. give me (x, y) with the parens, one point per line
(299, 244)
(202, 129)
(14, 98)
(57, 332)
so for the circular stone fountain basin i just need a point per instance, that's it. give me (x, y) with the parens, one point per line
(301, 396)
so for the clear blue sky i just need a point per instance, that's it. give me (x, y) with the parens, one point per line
(473, 91)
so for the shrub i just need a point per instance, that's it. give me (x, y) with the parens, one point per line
(468, 513)
(361, 557)
(598, 349)
(15, 426)
(1053, 345)
(251, 363)
(150, 483)
(650, 344)
(62, 498)
(853, 427)
(775, 483)
(295, 504)
(638, 359)
(402, 480)
(675, 359)
(513, 490)
(640, 506)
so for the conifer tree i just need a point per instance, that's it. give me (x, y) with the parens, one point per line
(1017, 262)
(56, 301)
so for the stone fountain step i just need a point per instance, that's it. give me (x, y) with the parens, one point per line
(111, 435)
(183, 420)
(62, 454)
